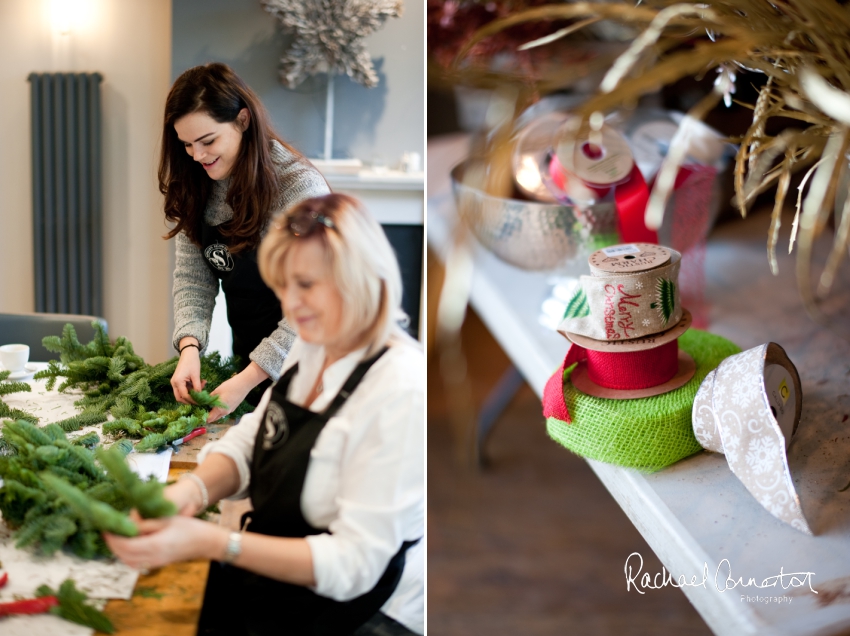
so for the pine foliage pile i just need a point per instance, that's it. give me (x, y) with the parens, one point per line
(73, 607)
(154, 427)
(107, 373)
(57, 494)
(13, 387)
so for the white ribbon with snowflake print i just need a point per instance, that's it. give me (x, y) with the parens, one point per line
(748, 409)
(623, 306)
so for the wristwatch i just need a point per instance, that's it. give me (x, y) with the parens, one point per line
(234, 547)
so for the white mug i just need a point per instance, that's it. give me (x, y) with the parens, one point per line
(14, 357)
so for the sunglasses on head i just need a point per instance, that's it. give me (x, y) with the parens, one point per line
(305, 222)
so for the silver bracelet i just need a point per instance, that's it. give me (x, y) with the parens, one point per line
(205, 495)
(234, 547)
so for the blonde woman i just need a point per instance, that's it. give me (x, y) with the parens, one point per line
(332, 458)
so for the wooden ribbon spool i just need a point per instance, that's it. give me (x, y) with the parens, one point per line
(626, 369)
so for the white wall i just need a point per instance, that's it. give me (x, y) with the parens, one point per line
(129, 43)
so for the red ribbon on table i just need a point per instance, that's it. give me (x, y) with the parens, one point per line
(630, 196)
(621, 371)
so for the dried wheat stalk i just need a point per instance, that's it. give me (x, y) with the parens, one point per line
(803, 46)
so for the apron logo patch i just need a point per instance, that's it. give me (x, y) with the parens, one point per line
(276, 428)
(219, 257)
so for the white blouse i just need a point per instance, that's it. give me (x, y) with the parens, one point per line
(366, 478)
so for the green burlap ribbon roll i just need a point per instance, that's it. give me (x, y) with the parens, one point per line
(648, 433)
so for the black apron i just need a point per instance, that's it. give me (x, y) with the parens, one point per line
(238, 602)
(253, 310)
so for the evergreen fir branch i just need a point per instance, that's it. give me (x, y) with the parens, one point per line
(49, 455)
(17, 469)
(13, 387)
(7, 388)
(53, 371)
(70, 476)
(203, 398)
(6, 448)
(151, 442)
(80, 459)
(116, 368)
(16, 499)
(100, 345)
(89, 440)
(86, 418)
(68, 346)
(97, 365)
(28, 431)
(54, 432)
(76, 422)
(15, 414)
(145, 496)
(88, 543)
(73, 607)
(53, 343)
(125, 446)
(217, 371)
(139, 390)
(34, 523)
(98, 514)
(124, 425)
(123, 407)
(109, 493)
(156, 424)
(56, 532)
(95, 404)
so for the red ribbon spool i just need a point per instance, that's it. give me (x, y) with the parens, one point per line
(619, 371)
(633, 369)
(630, 196)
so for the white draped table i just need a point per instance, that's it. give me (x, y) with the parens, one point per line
(696, 516)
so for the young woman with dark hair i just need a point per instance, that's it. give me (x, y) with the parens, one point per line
(225, 173)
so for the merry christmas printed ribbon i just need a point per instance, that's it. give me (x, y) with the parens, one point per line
(748, 409)
(632, 292)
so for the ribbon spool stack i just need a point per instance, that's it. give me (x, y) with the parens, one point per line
(625, 321)
(637, 365)
(749, 409)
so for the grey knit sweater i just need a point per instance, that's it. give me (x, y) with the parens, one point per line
(195, 287)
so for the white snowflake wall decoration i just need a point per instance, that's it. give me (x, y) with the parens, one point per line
(328, 36)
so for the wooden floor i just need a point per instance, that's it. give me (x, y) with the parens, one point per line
(533, 545)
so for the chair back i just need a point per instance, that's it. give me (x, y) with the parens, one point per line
(29, 329)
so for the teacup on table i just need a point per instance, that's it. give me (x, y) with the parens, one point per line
(14, 357)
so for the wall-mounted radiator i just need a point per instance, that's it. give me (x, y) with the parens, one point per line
(66, 187)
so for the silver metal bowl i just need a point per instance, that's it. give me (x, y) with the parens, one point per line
(531, 235)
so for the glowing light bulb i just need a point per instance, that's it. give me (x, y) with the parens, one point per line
(62, 15)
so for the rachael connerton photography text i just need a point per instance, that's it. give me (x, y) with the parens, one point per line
(723, 580)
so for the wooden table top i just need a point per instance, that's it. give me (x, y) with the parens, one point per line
(187, 455)
(166, 601)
